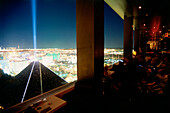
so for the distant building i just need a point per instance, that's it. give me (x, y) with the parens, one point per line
(55, 56)
(11, 48)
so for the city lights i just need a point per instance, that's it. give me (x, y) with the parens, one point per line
(112, 56)
(63, 62)
(60, 61)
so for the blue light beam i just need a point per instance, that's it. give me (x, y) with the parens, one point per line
(34, 23)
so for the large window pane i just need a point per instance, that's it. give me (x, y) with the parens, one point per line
(37, 47)
(113, 34)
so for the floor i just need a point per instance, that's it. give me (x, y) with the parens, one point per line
(86, 100)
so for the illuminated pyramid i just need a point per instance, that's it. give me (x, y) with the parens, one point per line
(16, 89)
(49, 79)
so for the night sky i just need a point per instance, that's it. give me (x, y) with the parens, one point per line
(56, 24)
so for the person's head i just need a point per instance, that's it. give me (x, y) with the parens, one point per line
(149, 70)
(153, 61)
(128, 58)
(165, 59)
(163, 66)
(105, 68)
(162, 72)
(120, 63)
(139, 58)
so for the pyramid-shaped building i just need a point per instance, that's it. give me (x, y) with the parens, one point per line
(15, 91)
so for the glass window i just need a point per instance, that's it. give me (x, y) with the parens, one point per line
(113, 35)
(37, 47)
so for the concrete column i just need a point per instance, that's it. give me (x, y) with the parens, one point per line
(143, 42)
(90, 39)
(128, 36)
(136, 40)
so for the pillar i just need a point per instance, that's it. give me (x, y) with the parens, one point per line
(90, 39)
(136, 40)
(128, 36)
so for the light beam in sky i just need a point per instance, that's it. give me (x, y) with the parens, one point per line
(34, 23)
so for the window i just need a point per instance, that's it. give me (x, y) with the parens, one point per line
(37, 47)
(113, 35)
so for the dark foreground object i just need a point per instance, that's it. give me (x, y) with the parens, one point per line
(87, 100)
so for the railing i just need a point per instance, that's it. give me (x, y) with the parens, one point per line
(59, 92)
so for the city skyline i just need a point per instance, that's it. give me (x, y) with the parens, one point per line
(56, 24)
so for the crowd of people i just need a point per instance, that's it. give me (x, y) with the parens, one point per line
(139, 75)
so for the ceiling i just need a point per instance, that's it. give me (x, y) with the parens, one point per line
(151, 13)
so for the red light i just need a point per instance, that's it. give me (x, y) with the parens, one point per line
(140, 7)
(155, 24)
